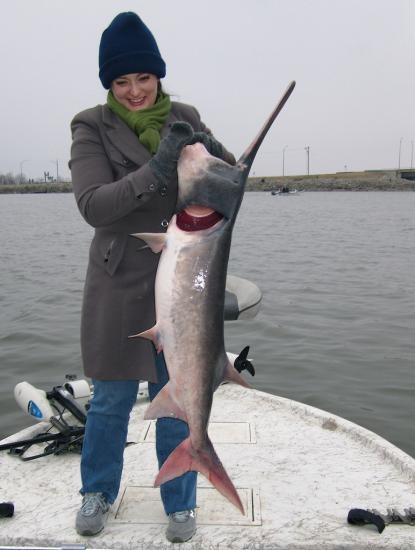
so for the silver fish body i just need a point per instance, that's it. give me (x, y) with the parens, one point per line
(190, 295)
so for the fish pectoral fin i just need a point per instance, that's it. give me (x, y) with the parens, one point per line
(232, 375)
(155, 241)
(185, 458)
(152, 334)
(165, 406)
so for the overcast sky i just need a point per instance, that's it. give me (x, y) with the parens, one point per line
(353, 61)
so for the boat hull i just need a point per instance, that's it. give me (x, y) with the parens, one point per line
(298, 469)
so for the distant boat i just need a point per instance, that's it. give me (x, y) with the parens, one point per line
(285, 191)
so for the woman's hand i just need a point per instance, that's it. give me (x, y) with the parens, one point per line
(212, 145)
(164, 162)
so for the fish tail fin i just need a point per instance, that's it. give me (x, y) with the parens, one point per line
(232, 375)
(186, 458)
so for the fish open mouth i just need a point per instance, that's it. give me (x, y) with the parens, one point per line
(196, 218)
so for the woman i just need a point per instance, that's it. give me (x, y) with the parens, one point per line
(123, 164)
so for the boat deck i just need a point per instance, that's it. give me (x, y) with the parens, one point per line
(298, 471)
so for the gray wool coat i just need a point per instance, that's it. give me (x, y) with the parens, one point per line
(118, 194)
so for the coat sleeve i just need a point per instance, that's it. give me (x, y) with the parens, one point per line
(199, 125)
(101, 200)
(227, 156)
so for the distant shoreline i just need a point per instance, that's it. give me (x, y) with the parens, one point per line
(370, 180)
(25, 188)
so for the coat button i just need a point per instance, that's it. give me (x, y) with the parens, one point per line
(151, 187)
(163, 191)
(164, 223)
(125, 161)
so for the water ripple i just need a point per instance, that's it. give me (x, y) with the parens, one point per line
(337, 324)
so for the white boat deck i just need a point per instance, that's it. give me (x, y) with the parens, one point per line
(298, 470)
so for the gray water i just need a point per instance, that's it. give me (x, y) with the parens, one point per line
(337, 324)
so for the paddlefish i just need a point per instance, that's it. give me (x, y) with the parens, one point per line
(189, 301)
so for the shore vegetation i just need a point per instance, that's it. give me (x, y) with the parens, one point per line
(369, 180)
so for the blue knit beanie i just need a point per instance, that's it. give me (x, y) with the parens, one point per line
(127, 46)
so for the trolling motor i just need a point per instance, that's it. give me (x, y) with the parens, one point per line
(66, 403)
(73, 396)
(241, 361)
(59, 406)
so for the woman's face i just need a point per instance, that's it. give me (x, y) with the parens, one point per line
(135, 91)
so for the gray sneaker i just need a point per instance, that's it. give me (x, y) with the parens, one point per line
(92, 515)
(182, 526)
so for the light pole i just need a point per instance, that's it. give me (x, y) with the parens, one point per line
(307, 150)
(283, 160)
(412, 152)
(399, 156)
(57, 168)
(21, 169)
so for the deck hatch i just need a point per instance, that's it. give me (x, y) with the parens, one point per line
(142, 505)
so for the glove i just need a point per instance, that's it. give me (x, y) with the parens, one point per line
(212, 145)
(164, 162)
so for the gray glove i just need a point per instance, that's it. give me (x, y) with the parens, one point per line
(164, 162)
(212, 145)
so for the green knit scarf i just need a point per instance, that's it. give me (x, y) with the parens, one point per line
(145, 123)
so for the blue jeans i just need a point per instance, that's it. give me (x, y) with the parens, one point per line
(106, 434)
